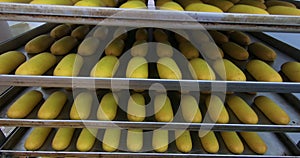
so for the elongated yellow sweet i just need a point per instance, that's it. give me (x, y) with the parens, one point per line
(235, 51)
(242, 110)
(60, 31)
(168, 69)
(291, 70)
(271, 3)
(262, 51)
(160, 35)
(86, 139)
(90, 3)
(200, 7)
(62, 138)
(283, 10)
(108, 107)
(164, 49)
(181, 35)
(81, 107)
(253, 3)
(101, 32)
(139, 48)
(216, 109)
(233, 142)
(161, 2)
(115, 48)
(190, 109)
(63, 45)
(106, 67)
(39, 44)
(160, 140)
(137, 68)
(209, 142)
(228, 71)
(136, 110)
(163, 108)
(9, 61)
(200, 70)
(209, 50)
(134, 140)
(272, 110)
(120, 33)
(255, 142)
(222, 4)
(171, 6)
(52, 106)
(70, 65)
(80, 32)
(183, 140)
(242, 8)
(218, 37)
(111, 139)
(261, 71)
(141, 34)
(37, 65)
(134, 4)
(240, 38)
(16, 1)
(52, 2)
(188, 50)
(185, 3)
(37, 138)
(88, 46)
(25, 104)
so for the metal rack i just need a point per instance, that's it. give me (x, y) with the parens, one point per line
(113, 16)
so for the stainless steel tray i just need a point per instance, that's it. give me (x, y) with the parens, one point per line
(15, 146)
(147, 17)
(284, 52)
(150, 123)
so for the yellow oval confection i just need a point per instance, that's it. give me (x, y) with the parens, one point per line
(111, 139)
(233, 142)
(242, 110)
(60, 31)
(183, 140)
(24, 105)
(106, 67)
(261, 71)
(88, 46)
(39, 44)
(190, 109)
(271, 3)
(136, 109)
(36, 138)
(80, 32)
(108, 106)
(86, 139)
(134, 4)
(240, 38)
(168, 69)
(16, 1)
(9, 61)
(200, 70)
(163, 108)
(52, 107)
(235, 51)
(255, 142)
(37, 65)
(188, 50)
(272, 110)
(218, 37)
(81, 107)
(262, 51)
(171, 6)
(139, 48)
(254, 3)
(200, 7)
(70, 65)
(137, 68)
(216, 109)
(228, 71)
(134, 140)
(222, 4)
(160, 140)
(62, 138)
(209, 142)
(63, 45)
(291, 70)
(52, 2)
(242, 8)
(115, 48)
(283, 10)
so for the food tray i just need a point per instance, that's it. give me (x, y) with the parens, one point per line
(63, 120)
(148, 17)
(284, 53)
(15, 147)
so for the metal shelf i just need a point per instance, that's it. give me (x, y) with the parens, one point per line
(15, 146)
(148, 17)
